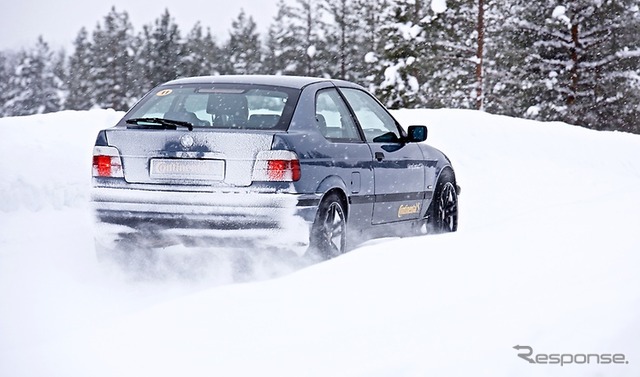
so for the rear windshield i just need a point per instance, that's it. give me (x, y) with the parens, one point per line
(223, 106)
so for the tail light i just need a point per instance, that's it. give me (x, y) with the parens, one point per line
(107, 162)
(276, 166)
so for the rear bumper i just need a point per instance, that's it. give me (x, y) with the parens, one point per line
(244, 219)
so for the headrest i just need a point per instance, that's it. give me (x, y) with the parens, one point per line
(322, 123)
(228, 104)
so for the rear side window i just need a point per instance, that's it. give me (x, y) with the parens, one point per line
(333, 118)
(224, 106)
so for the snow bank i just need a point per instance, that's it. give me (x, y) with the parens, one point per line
(546, 256)
(45, 160)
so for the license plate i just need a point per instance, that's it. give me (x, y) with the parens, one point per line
(212, 170)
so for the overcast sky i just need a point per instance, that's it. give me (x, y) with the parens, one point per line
(22, 21)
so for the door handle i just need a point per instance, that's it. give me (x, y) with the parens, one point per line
(379, 156)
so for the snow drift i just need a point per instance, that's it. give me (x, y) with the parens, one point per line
(546, 256)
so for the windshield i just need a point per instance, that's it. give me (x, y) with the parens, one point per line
(224, 106)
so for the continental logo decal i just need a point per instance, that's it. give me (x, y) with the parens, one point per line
(405, 209)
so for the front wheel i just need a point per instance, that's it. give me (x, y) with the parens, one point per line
(329, 230)
(443, 214)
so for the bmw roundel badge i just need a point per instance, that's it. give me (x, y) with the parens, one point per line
(186, 141)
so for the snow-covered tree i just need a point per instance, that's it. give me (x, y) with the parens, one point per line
(345, 41)
(373, 17)
(581, 61)
(61, 77)
(439, 54)
(5, 75)
(282, 53)
(296, 43)
(112, 60)
(202, 56)
(34, 87)
(243, 48)
(79, 85)
(307, 24)
(159, 52)
(571, 60)
(405, 55)
(455, 36)
(502, 60)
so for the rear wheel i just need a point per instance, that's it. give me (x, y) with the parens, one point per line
(443, 214)
(329, 230)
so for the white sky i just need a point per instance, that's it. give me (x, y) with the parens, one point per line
(22, 21)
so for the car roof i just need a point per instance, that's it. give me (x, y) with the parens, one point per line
(297, 82)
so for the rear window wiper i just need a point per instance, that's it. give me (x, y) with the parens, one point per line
(161, 123)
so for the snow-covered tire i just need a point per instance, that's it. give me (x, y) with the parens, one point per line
(443, 212)
(329, 231)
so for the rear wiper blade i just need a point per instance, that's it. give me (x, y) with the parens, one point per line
(159, 123)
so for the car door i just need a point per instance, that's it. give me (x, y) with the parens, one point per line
(349, 155)
(399, 175)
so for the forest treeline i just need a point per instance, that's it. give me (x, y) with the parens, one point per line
(576, 61)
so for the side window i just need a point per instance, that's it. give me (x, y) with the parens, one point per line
(333, 117)
(375, 121)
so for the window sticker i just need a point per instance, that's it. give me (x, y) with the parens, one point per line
(163, 93)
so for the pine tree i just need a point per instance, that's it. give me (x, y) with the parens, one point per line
(244, 48)
(344, 40)
(282, 54)
(34, 87)
(114, 74)
(160, 52)
(4, 80)
(455, 72)
(80, 87)
(441, 54)
(354, 38)
(307, 26)
(202, 56)
(503, 60)
(60, 74)
(373, 17)
(580, 63)
(405, 57)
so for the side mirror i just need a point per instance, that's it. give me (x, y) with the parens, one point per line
(416, 134)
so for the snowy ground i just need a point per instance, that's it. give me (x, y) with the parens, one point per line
(547, 256)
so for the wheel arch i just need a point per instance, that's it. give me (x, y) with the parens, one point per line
(334, 184)
(447, 170)
(342, 196)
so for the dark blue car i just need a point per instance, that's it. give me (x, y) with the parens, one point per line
(308, 164)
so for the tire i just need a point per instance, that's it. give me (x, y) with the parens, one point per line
(443, 213)
(329, 231)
